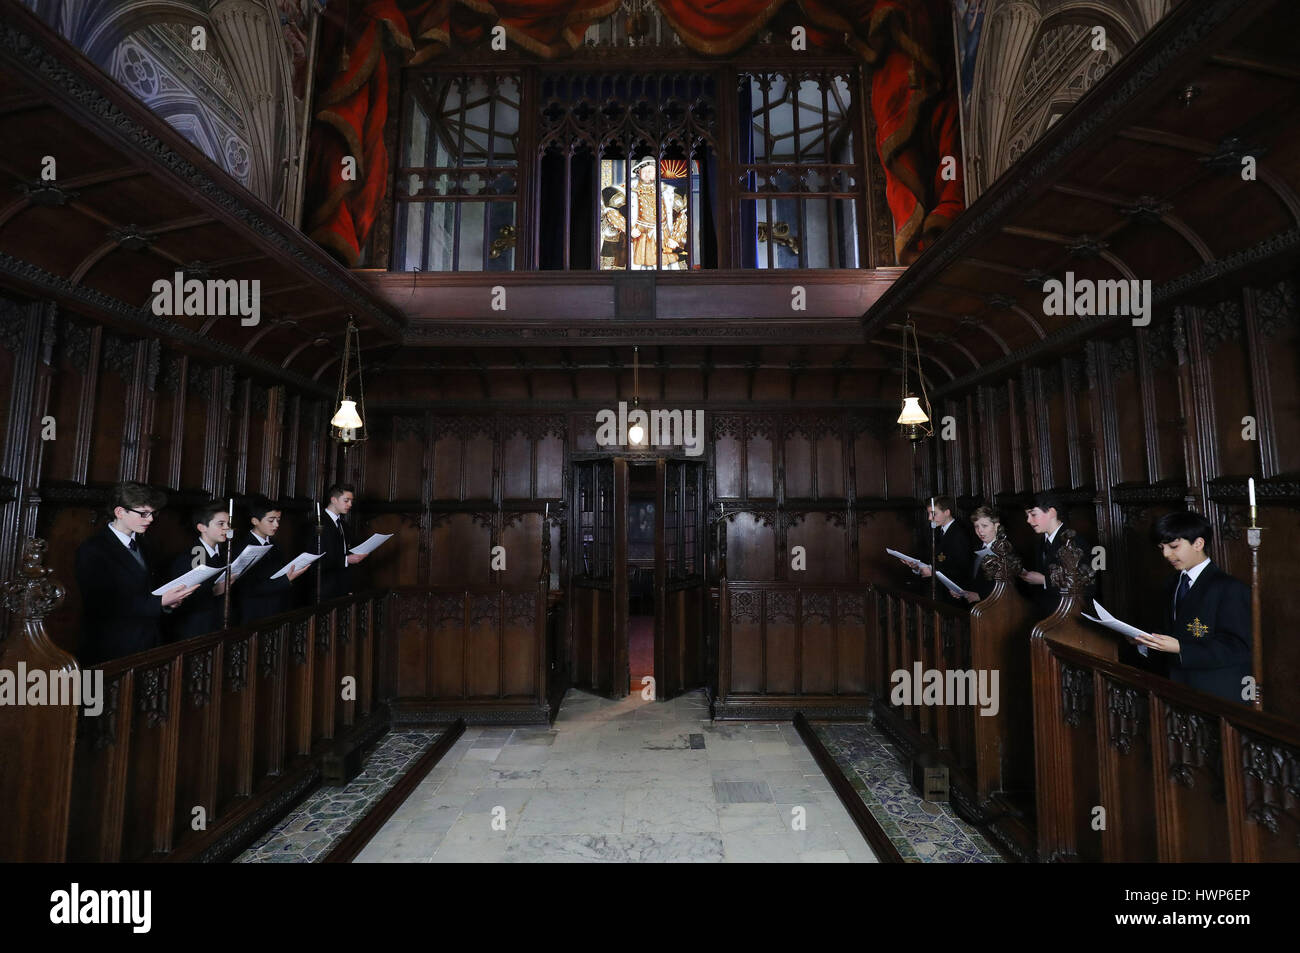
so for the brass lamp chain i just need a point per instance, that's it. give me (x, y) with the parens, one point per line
(636, 375)
(929, 411)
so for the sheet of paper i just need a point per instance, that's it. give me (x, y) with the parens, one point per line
(194, 577)
(250, 555)
(951, 586)
(373, 543)
(906, 558)
(1109, 621)
(298, 562)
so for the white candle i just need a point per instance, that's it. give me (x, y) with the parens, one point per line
(318, 511)
(1250, 487)
(230, 518)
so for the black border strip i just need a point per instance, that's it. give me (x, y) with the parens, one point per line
(346, 850)
(885, 851)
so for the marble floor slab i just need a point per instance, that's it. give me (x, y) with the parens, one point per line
(624, 781)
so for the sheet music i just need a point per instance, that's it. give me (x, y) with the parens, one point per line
(374, 542)
(906, 558)
(1114, 624)
(250, 555)
(195, 577)
(298, 562)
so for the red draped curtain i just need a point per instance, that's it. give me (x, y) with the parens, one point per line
(904, 42)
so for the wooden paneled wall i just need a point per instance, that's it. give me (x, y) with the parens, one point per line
(1152, 420)
(88, 407)
(837, 482)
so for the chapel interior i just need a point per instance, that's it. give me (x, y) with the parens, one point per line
(630, 298)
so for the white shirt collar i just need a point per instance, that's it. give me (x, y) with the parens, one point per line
(334, 516)
(260, 540)
(124, 537)
(944, 528)
(1051, 537)
(1195, 571)
(212, 550)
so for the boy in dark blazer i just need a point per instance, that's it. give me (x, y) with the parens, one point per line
(1047, 518)
(202, 612)
(118, 614)
(256, 594)
(336, 542)
(1205, 611)
(954, 547)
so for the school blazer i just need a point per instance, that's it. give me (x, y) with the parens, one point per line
(118, 614)
(335, 573)
(255, 593)
(954, 553)
(202, 610)
(1213, 632)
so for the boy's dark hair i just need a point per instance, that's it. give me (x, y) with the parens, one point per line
(1183, 525)
(133, 496)
(338, 489)
(259, 506)
(203, 514)
(946, 503)
(1047, 500)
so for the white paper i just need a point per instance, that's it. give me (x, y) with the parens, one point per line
(298, 562)
(1109, 621)
(194, 577)
(250, 555)
(373, 543)
(952, 587)
(906, 558)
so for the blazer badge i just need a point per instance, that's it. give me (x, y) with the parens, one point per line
(1197, 628)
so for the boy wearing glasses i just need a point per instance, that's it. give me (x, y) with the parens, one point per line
(119, 616)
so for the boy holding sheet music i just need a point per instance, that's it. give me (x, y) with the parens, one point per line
(202, 612)
(336, 565)
(261, 592)
(120, 615)
(1205, 637)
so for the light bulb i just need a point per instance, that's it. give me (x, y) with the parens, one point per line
(635, 434)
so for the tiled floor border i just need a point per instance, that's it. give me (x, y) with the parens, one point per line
(346, 850)
(885, 849)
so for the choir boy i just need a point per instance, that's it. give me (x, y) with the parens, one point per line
(1206, 614)
(202, 612)
(257, 595)
(119, 616)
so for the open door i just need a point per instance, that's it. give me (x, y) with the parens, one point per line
(599, 576)
(681, 587)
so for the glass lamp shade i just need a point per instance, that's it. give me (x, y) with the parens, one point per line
(347, 417)
(912, 412)
(636, 434)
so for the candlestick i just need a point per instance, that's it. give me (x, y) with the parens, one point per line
(1250, 488)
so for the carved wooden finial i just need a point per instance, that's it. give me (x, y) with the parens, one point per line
(1072, 573)
(35, 593)
(1004, 565)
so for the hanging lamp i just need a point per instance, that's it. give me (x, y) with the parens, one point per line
(347, 426)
